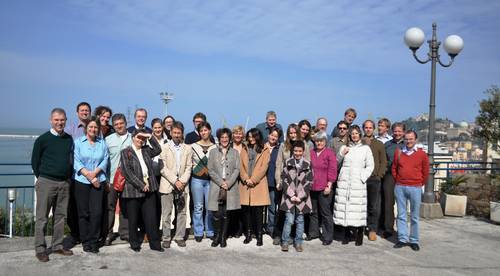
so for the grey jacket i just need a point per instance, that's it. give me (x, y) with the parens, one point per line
(131, 169)
(232, 173)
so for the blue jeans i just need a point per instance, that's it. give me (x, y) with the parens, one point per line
(404, 194)
(272, 210)
(299, 228)
(199, 190)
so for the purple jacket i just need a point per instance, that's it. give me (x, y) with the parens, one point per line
(324, 168)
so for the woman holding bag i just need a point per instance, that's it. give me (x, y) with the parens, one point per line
(224, 195)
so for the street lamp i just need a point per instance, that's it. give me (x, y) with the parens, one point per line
(166, 98)
(453, 44)
(11, 193)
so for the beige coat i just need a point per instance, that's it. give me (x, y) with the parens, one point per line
(257, 195)
(169, 173)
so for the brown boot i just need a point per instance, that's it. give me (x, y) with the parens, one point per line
(42, 257)
(372, 236)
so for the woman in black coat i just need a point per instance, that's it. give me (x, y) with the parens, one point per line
(140, 189)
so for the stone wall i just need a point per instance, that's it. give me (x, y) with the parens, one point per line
(480, 190)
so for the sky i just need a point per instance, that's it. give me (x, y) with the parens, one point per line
(236, 60)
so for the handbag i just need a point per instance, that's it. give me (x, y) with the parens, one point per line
(119, 180)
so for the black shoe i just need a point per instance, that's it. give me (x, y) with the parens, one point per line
(87, 248)
(108, 241)
(138, 249)
(215, 243)
(248, 239)
(158, 249)
(387, 234)
(325, 243)
(259, 240)
(414, 247)
(223, 243)
(400, 244)
(276, 241)
(198, 239)
(310, 238)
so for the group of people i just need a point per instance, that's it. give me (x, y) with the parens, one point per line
(303, 182)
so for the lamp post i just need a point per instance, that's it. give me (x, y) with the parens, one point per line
(12, 197)
(166, 98)
(453, 44)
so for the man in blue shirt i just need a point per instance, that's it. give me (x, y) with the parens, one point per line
(116, 142)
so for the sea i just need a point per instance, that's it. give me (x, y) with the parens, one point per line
(16, 145)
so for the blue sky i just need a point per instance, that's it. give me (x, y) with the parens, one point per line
(239, 59)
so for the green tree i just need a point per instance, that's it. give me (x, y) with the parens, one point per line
(488, 120)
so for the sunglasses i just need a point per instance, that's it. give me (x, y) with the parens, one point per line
(342, 128)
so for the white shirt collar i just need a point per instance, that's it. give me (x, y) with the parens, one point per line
(54, 132)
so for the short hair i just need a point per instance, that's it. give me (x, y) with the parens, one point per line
(83, 104)
(369, 121)
(298, 144)
(270, 113)
(398, 124)
(278, 130)
(351, 110)
(178, 125)
(200, 115)
(168, 116)
(92, 119)
(156, 120)
(410, 131)
(222, 131)
(58, 110)
(320, 135)
(385, 121)
(101, 110)
(238, 128)
(140, 109)
(321, 118)
(342, 122)
(204, 124)
(118, 116)
(137, 131)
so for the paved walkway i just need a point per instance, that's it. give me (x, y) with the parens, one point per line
(450, 246)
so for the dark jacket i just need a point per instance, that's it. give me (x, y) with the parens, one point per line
(379, 157)
(194, 137)
(264, 130)
(132, 171)
(271, 170)
(390, 149)
(132, 128)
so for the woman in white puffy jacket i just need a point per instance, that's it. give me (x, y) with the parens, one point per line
(350, 196)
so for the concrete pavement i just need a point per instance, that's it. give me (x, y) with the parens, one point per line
(450, 246)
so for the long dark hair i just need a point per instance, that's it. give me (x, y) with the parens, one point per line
(259, 140)
(288, 141)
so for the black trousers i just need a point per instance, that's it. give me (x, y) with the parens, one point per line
(72, 218)
(373, 205)
(387, 213)
(253, 219)
(110, 200)
(89, 205)
(143, 209)
(321, 215)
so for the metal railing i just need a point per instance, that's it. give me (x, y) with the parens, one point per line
(23, 204)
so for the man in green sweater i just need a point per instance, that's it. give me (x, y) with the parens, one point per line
(52, 161)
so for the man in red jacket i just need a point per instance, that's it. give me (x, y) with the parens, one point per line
(410, 170)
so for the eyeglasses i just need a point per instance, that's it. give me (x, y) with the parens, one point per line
(342, 128)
